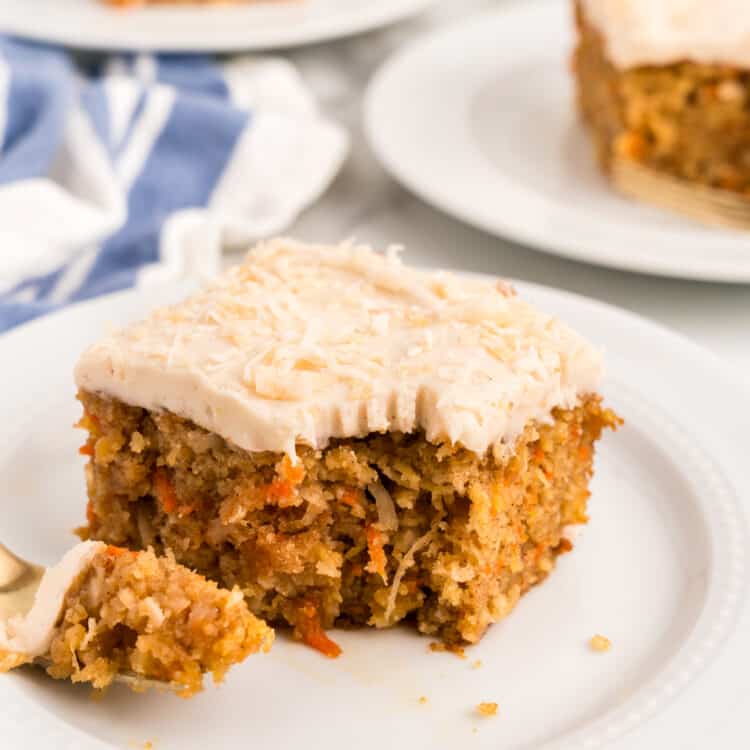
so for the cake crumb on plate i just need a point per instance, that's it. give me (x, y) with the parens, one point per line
(423, 699)
(450, 648)
(600, 643)
(487, 709)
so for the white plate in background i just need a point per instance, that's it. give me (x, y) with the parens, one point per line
(90, 24)
(661, 570)
(479, 120)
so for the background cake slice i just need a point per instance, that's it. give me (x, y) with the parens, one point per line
(667, 85)
(346, 439)
(104, 610)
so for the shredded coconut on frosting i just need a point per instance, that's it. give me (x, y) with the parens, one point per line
(300, 344)
(661, 32)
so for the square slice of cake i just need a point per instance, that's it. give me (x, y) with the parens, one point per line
(347, 439)
(667, 85)
(104, 611)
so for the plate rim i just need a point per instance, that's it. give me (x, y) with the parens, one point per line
(402, 64)
(70, 736)
(370, 19)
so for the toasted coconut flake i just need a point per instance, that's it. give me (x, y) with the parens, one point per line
(386, 508)
(406, 562)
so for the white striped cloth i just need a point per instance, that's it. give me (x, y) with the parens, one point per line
(140, 168)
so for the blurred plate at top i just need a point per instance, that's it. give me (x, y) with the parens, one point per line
(191, 27)
(479, 120)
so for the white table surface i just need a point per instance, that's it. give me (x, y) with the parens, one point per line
(366, 204)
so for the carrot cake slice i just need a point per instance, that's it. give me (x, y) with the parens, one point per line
(347, 439)
(104, 610)
(667, 85)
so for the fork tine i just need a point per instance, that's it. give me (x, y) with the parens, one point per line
(705, 204)
(133, 680)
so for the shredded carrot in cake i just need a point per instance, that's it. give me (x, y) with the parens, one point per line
(377, 554)
(351, 497)
(565, 546)
(292, 473)
(89, 423)
(311, 632)
(114, 551)
(86, 450)
(165, 493)
(279, 489)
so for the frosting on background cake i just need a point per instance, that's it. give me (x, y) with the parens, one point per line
(660, 32)
(301, 344)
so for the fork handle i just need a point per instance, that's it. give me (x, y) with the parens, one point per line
(12, 568)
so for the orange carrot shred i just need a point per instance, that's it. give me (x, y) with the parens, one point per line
(565, 546)
(351, 497)
(86, 450)
(279, 489)
(164, 489)
(311, 632)
(292, 473)
(377, 554)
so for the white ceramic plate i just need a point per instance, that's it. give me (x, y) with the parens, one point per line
(191, 28)
(479, 120)
(661, 570)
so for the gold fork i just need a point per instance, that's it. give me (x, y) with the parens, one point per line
(705, 204)
(19, 581)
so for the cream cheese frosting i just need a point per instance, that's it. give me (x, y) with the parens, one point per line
(301, 344)
(649, 32)
(32, 634)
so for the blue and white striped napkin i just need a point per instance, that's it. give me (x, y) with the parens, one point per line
(140, 168)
